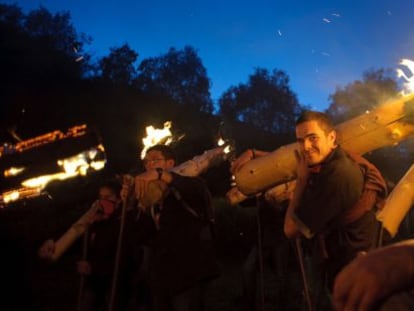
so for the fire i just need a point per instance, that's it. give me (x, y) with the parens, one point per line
(78, 165)
(222, 142)
(13, 171)
(408, 86)
(156, 136)
(21, 146)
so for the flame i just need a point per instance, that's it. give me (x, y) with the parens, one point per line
(221, 142)
(156, 136)
(408, 86)
(37, 141)
(13, 171)
(80, 164)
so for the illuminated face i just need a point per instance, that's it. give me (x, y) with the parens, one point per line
(313, 142)
(155, 159)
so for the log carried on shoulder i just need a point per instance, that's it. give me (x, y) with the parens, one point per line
(386, 125)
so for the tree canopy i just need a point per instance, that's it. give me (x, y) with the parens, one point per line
(265, 101)
(178, 74)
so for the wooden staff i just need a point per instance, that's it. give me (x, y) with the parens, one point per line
(82, 277)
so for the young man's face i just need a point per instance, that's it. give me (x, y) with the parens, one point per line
(313, 142)
(155, 159)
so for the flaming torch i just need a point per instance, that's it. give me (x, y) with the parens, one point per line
(193, 167)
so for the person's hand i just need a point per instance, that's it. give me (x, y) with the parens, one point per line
(142, 181)
(47, 250)
(302, 169)
(373, 277)
(241, 160)
(83, 267)
(127, 188)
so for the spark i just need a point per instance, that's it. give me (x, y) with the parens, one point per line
(326, 20)
(325, 54)
(279, 32)
(336, 14)
(79, 59)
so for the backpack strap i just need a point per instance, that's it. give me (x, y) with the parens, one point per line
(180, 199)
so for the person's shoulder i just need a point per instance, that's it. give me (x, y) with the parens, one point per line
(342, 166)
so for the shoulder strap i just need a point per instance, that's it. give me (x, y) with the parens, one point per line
(180, 199)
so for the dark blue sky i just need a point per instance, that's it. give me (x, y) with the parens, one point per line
(319, 44)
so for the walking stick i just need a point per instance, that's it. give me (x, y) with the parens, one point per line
(303, 273)
(82, 277)
(117, 257)
(260, 255)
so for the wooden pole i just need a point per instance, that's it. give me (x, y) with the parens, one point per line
(398, 203)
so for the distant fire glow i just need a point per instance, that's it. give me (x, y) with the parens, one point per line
(156, 136)
(222, 142)
(408, 86)
(78, 165)
(13, 171)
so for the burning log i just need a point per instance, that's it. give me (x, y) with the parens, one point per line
(398, 203)
(386, 125)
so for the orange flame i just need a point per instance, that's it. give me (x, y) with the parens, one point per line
(79, 164)
(156, 136)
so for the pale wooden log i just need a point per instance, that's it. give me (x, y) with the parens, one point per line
(383, 126)
(74, 232)
(193, 167)
(278, 193)
(201, 163)
(398, 203)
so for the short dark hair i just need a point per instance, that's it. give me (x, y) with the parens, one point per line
(114, 185)
(167, 151)
(321, 118)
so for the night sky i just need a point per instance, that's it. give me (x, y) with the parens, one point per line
(320, 44)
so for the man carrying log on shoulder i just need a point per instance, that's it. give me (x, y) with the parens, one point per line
(333, 204)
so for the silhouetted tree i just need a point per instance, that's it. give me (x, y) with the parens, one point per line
(118, 67)
(178, 74)
(40, 58)
(265, 101)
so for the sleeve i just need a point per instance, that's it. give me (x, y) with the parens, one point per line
(328, 196)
